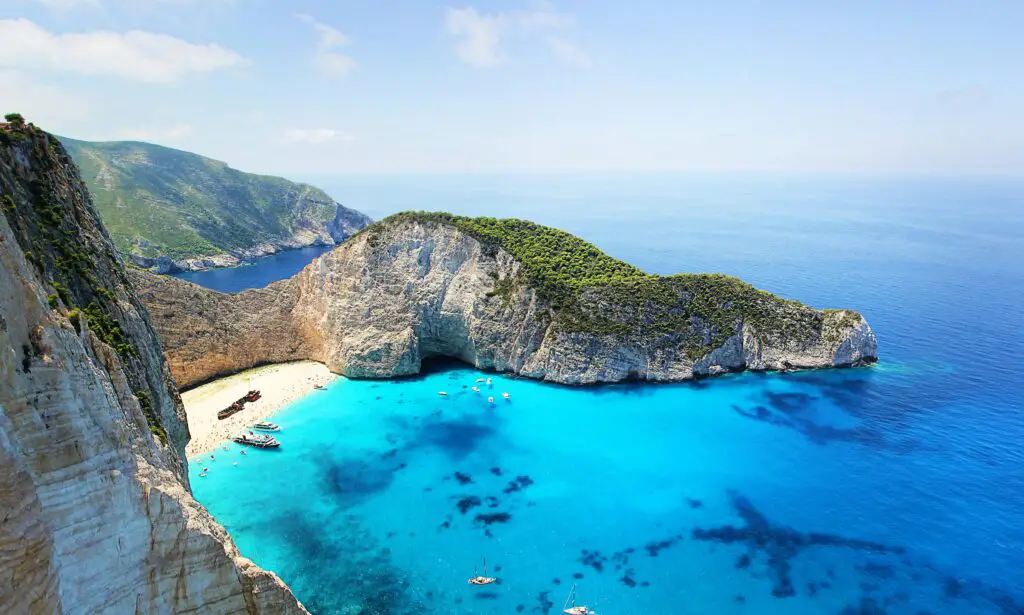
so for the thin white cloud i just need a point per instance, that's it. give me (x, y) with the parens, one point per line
(64, 5)
(67, 5)
(40, 103)
(133, 55)
(316, 136)
(326, 59)
(168, 133)
(568, 53)
(481, 37)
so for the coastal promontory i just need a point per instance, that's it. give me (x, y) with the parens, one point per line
(505, 295)
(170, 210)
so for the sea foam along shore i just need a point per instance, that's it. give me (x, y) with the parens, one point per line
(279, 384)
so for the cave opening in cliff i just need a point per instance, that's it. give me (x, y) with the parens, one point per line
(437, 363)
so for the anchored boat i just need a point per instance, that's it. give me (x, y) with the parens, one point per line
(257, 440)
(481, 580)
(573, 609)
(266, 426)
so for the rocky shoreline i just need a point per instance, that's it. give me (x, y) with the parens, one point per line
(334, 233)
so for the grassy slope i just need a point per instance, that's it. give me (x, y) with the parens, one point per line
(595, 293)
(156, 200)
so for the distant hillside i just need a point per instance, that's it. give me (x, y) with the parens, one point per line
(170, 210)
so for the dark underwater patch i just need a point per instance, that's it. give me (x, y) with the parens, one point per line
(866, 606)
(655, 547)
(457, 437)
(544, 603)
(594, 559)
(627, 578)
(779, 544)
(520, 483)
(467, 503)
(491, 518)
(819, 434)
(486, 596)
(790, 403)
(464, 479)
(352, 478)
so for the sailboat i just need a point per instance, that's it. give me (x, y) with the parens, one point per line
(570, 608)
(481, 580)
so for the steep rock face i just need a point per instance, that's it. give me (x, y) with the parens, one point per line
(404, 291)
(97, 517)
(209, 333)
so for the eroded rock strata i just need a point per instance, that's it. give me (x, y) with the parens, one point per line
(505, 295)
(96, 515)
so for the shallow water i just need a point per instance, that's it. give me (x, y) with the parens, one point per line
(891, 489)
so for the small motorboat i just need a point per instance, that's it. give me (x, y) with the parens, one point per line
(442, 393)
(490, 400)
(475, 389)
(573, 609)
(202, 475)
(266, 426)
(481, 579)
(506, 396)
(488, 382)
(479, 379)
(257, 440)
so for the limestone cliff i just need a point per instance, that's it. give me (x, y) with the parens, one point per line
(97, 516)
(505, 295)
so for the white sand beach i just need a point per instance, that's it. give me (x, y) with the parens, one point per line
(279, 385)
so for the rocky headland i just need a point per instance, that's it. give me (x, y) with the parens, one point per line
(168, 210)
(97, 514)
(505, 295)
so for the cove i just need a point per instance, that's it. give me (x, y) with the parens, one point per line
(796, 493)
(256, 273)
(891, 489)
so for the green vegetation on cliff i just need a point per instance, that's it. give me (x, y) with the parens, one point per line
(592, 292)
(159, 201)
(64, 242)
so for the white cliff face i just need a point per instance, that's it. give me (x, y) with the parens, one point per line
(96, 512)
(384, 302)
(381, 303)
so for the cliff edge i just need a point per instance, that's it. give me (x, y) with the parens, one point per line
(507, 295)
(97, 512)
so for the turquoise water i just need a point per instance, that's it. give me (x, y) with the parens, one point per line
(892, 489)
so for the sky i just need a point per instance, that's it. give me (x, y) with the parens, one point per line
(358, 86)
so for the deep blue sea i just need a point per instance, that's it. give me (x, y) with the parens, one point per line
(257, 273)
(896, 489)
